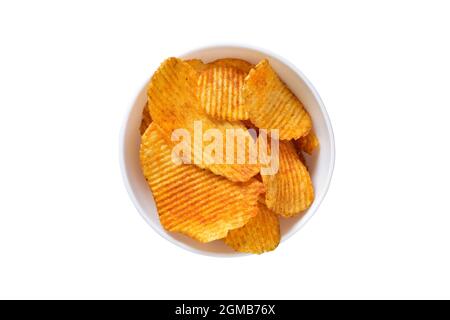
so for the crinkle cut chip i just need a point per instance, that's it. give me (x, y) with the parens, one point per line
(191, 200)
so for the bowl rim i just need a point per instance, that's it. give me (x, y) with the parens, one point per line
(317, 201)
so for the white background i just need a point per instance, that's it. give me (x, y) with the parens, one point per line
(70, 70)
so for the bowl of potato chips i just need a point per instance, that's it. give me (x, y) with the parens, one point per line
(227, 150)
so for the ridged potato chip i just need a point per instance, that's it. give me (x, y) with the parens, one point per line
(173, 104)
(220, 92)
(308, 143)
(191, 200)
(146, 120)
(290, 190)
(220, 87)
(197, 64)
(259, 235)
(271, 105)
(239, 64)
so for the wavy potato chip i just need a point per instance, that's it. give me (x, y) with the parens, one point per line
(271, 105)
(146, 120)
(197, 64)
(308, 143)
(220, 87)
(239, 64)
(290, 190)
(242, 65)
(191, 200)
(173, 104)
(220, 92)
(259, 235)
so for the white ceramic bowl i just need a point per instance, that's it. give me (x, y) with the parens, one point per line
(320, 165)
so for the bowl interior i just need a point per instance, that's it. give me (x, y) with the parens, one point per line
(320, 164)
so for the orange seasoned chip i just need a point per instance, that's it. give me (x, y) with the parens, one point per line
(308, 143)
(259, 235)
(146, 120)
(171, 96)
(197, 64)
(242, 65)
(271, 105)
(220, 87)
(191, 200)
(173, 105)
(220, 92)
(290, 190)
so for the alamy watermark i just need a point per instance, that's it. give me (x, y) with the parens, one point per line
(238, 146)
